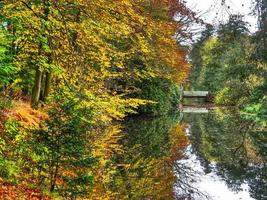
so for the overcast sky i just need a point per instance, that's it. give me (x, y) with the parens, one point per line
(213, 11)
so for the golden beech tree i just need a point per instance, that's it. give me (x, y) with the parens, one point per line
(96, 40)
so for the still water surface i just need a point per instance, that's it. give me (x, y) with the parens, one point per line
(226, 158)
(215, 155)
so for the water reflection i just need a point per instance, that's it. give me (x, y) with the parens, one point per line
(228, 155)
(151, 146)
(225, 158)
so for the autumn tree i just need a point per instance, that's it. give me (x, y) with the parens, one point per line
(80, 62)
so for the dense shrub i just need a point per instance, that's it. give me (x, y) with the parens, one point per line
(232, 94)
(163, 93)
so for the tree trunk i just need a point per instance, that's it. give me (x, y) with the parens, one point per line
(37, 88)
(47, 86)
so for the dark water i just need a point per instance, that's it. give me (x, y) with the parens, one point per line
(215, 155)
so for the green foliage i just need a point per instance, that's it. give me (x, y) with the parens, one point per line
(196, 57)
(232, 94)
(5, 103)
(68, 157)
(10, 164)
(7, 69)
(234, 29)
(230, 65)
(56, 155)
(257, 112)
(165, 94)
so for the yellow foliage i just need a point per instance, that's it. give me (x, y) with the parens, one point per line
(179, 141)
(105, 145)
(27, 116)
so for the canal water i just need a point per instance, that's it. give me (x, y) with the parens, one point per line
(226, 158)
(211, 154)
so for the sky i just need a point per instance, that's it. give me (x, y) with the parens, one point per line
(214, 12)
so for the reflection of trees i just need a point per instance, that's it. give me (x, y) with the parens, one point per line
(146, 170)
(258, 173)
(150, 134)
(183, 184)
(149, 166)
(240, 153)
